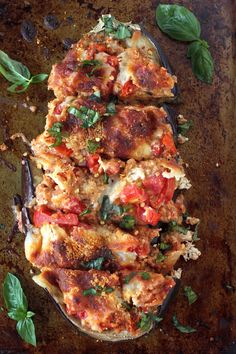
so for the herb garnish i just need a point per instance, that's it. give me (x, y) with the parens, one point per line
(147, 320)
(111, 108)
(115, 29)
(94, 263)
(17, 306)
(145, 275)
(181, 24)
(18, 74)
(88, 116)
(180, 327)
(92, 146)
(98, 290)
(127, 222)
(95, 64)
(183, 128)
(173, 226)
(164, 246)
(195, 234)
(55, 131)
(105, 178)
(128, 277)
(190, 294)
(160, 257)
(96, 96)
(108, 209)
(85, 212)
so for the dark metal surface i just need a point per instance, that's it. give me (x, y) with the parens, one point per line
(212, 197)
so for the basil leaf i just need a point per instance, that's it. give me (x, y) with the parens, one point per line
(16, 70)
(19, 87)
(164, 246)
(90, 291)
(190, 294)
(195, 234)
(178, 22)
(119, 31)
(111, 108)
(96, 96)
(202, 63)
(90, 62)
(128, 277)
(55, 131)
(94, 264)
(108, 289)
(88, 116)
(38, 78)
(183, 128)
(108, 209)
(26, 330)
(105, 178)
(145, 276)
(128, 222)
(180, 327)
(122, 32)
(30, 314)
(160, 257)
(92, 146)
(17, 314)
(193, 48)
(13, 294)
(147, 320)
(173, 226)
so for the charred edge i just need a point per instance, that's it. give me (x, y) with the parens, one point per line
(27, 191)
(163, 58)
(172, 293)
(172, 120)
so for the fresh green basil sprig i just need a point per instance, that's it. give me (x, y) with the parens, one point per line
(18, 74)
(181, 24)
(17, 307)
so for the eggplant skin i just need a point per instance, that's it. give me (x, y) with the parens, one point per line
(28, 192)
(163, 61)
(172, 119)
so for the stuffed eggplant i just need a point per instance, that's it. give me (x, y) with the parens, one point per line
(102, 221)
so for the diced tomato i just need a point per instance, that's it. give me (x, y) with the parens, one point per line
(57, 109)
(63, 150)
(128, 88)
(43, 215)
(133, 194)
(112, 60)
(147, 215)
(157, 149)
(169, 189)
(154, 183)
(168, 142)
(112, 168)
(100, 47)
(74, 205)
(92, 162)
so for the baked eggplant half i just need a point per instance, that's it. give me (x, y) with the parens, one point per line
(115, 58)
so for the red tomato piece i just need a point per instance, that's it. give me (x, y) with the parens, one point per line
(147, 215)
(154, 183)
(168, 142)
(74, 205)
(112, 168)
(169, 189)
(112, 60)
(156, 149)
(133, 194)
(128, 88)
(62, 149)
(43, 215)
(58, 109)
(92, 162)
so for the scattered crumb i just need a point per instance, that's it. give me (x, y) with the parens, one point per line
(182, 139)
(191, 252)
(192, 220)
(33, 108)
(181, 119)
(3, 147)
(177, 273)
(217, 164)
(184, 183)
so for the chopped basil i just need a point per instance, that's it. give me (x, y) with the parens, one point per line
(88, 116)
(145, 276)
(111, 108)
(190, 294)
(126, 305)
(195, 234)
(164, 246)
(128, 277)
(94, 263)
(180, 327)
(108, 209)
(147, 320)
(97, 290)
(84, 212)
(95, 64)
(105, 178)
(184, 128)
(92, 146)
(115, 29)
(55, 131)
(96, 96)
(160, 257)
(127, 222)
(173, 226)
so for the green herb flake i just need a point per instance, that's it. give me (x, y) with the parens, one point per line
(108, 289)
(98, 290)
(96, 96)
(190, 294)
(184, 128)
(180, 327)
(173, 226)
(55, 131)
(145, 276)
(108, 209)
(88, 116)
(94, 64)
(92, 146)
(128, 277)
(116, 29)
(18, 74)
(94, 264)
(195, 234)
(127, 222)
(85, 212)
(122, 32)
(160, 257)
(111, 108)
(147, 320)
(17, 307)
(105, 178)
(164, 246)
(90, 291)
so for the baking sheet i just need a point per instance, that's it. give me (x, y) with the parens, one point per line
(212, 197)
